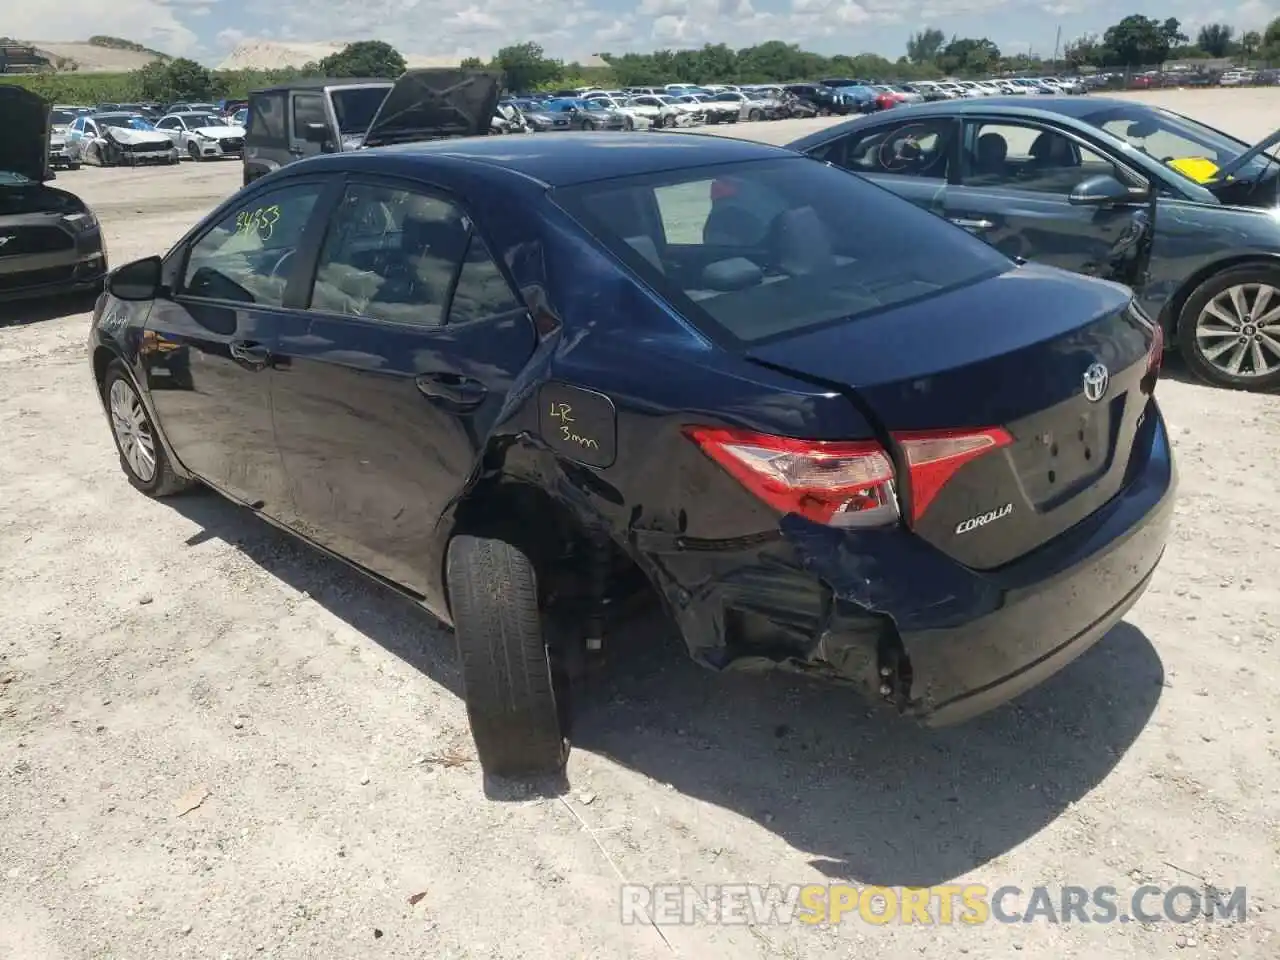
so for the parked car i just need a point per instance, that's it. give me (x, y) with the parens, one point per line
(587, 114)
(637, 118)
(722, 107)
(822, 97)
(307, 117)
(60, 155)
(541, 120)
(661, 111)
(50, 241)
(1179, 211)
(203, 136)
(118, 139)
(522, 379)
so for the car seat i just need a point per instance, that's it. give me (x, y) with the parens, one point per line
(989, 159)
(1051, 150)
(799, 243)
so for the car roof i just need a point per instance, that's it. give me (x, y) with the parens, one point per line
(1075, 107)
(321, 83)
(564, 159)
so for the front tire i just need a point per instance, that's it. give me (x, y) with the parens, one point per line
(1229, 329)
(142, 455)
(506, 668)
(193, 152)
(755, 116)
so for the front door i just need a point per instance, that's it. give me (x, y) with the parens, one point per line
(1015, 179)
(912, 158)
(414, 339)
(305, 108)
(208, 351)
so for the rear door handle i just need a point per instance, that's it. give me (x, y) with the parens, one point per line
(972, 224)
(248, 352)
(453, 390)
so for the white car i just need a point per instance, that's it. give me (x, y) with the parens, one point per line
(202, 136)
(117, 139)
(660, 114)
(640, 119)
(1236, 78)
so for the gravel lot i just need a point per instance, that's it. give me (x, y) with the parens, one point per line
(215, 743)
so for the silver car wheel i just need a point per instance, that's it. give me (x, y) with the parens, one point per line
(1238, 331)
(133, 432)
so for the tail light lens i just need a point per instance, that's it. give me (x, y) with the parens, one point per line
(1157, 351)
(934, 457)
(843, 483)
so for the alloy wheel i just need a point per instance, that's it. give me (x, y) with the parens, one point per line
(1238, 331)
(133, 432)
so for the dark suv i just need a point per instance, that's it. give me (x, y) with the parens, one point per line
(306, 117)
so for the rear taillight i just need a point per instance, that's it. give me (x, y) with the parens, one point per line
(840, 483)
(933, 457)
(843, 483)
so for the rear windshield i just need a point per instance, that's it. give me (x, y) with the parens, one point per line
(769, 248)
(355, 108)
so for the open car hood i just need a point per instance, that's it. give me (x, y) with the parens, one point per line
(134, 137)
(24, 118)
(432, 104)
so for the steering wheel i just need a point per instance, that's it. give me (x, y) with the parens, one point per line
(281, 261)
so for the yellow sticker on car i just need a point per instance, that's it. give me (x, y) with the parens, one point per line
(1199, 169)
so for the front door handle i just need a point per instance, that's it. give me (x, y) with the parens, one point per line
(250, 353)
(453, 390)
(972, 224)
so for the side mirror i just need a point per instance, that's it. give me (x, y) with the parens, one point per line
(317, 133)
(1103, 190)
(139, 280)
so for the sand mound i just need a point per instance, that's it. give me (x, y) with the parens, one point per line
(93, 59)
(275, 54)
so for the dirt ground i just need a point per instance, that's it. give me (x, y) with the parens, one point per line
(216, 744)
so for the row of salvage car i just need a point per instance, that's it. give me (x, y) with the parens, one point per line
(129, 137)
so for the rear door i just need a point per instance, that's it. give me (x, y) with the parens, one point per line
(413, 339)
(1014, 180)
(913, 158)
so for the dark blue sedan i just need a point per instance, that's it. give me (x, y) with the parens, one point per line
(522, 379)
(1183, 213)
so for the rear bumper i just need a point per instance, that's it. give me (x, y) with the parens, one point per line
(882, 607)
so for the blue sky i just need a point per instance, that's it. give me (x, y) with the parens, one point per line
(207, 29)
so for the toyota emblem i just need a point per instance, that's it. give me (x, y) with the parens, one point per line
(1096, 380)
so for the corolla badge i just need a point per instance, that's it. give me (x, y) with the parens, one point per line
(991, 516)
(1096, 380)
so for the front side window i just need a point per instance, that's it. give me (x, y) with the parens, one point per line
(920, 149)
(1023, 156)
(248, 255)
(391, 254)
(307, 108)
(755, 250)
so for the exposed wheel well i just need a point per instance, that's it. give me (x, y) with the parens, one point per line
(1172, 314)
(566, 555)
(102, 358)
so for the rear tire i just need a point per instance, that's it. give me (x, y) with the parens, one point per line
(755, 116)
(1197, 334)
(506, 670)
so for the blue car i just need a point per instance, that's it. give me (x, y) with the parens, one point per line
(524, 380)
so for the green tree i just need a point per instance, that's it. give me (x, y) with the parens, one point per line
(1250, 44)
(967, 55)
(923, 47)
(1083, 51)
(525, 66)
(364, 58)
(1171, 30)
(1215, 39)
(180, 79)
(471, 63)
(1137, 41)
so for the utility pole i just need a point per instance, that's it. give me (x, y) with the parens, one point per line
(1057, 45)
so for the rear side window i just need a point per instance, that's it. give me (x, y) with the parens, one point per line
(768, 248)
(307, 108)
(267, 120)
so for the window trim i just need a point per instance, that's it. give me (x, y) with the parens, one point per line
(427, 188)
(975, 121)
(307, 251)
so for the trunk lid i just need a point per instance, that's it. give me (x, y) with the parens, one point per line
(1010, 352)
(432, 104)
